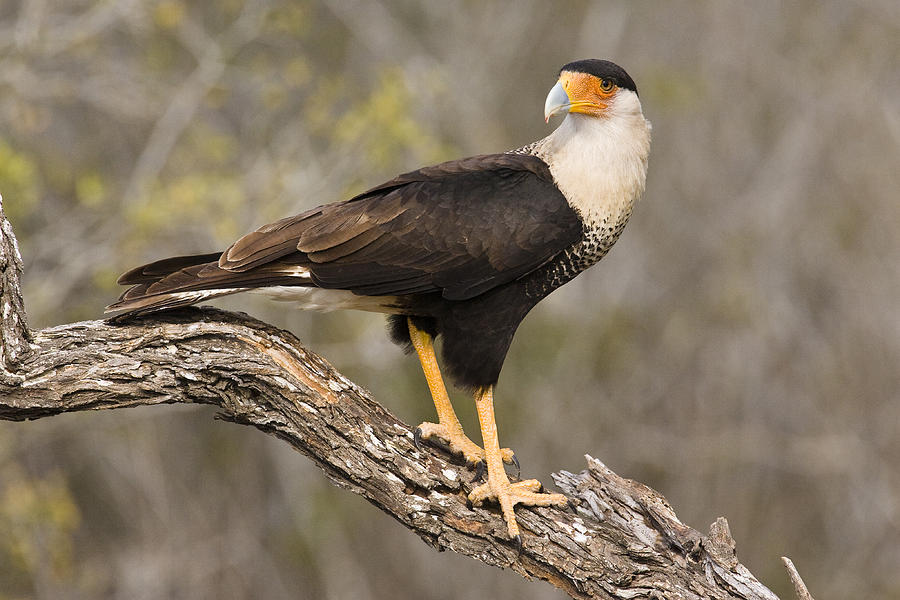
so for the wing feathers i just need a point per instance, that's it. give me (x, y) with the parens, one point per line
(460, 228)
(343, 249)
(342, 222)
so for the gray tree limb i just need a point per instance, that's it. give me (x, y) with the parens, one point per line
(15, 336)
(622, 541)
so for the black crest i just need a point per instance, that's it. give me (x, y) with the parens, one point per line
(603, 69)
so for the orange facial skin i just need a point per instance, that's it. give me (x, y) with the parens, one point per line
(587, 94)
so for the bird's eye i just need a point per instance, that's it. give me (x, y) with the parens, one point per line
(606, 85)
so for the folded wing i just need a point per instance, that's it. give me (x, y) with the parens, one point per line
(459, 228)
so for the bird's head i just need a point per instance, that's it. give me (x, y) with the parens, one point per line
(597, 88)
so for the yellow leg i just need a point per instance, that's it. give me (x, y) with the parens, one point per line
(498, 486)
(448, 428)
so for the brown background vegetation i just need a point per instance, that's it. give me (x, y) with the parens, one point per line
(738, 349)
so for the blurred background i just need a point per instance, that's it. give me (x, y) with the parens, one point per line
(738, 350)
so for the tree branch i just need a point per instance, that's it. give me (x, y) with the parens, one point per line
(622, 541)
(14, 335)
(799, 586)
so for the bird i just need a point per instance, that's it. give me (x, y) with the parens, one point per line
(460, 251)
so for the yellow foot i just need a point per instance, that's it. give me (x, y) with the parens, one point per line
(458, 443)
(527, 492)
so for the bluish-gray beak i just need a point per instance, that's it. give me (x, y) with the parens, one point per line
(557, 101)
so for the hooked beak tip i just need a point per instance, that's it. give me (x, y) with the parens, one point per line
(557, 101)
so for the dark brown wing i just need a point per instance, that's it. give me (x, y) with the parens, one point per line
(461, 228)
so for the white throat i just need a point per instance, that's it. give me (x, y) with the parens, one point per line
(600, 163)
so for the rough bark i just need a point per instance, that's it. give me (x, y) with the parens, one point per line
(14, 333)
(622, 540)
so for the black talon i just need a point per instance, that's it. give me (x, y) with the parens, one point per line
(417, 438)
(572, 504)
(517, 541)
(479, 471)
(515, 461)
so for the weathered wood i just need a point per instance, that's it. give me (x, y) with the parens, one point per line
(799, 586)
(14, 334)
(622, 540)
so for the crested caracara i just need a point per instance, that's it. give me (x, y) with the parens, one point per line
(461, 250)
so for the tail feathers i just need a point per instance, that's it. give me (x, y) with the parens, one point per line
(143, 304)
(155, 271)
(186, 280)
